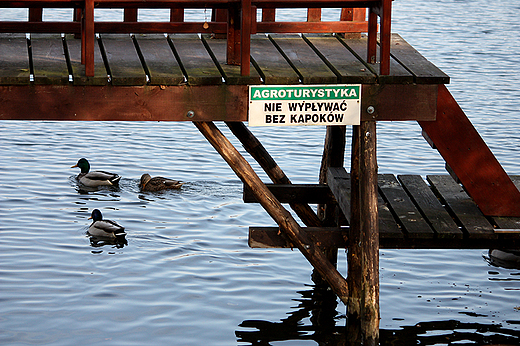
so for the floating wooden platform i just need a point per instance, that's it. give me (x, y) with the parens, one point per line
(163, 78)
(413, 213)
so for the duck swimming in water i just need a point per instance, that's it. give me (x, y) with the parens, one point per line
(158, 183)
(104, 228)
(95, 178)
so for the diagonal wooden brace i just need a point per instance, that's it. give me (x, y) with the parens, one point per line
(274, 208)
(258, 152)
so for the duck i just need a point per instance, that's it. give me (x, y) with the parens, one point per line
(95, 178)
(158, 183)
(104, 228)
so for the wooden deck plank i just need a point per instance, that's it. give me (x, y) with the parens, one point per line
(122, 59)
(398, 74)
(343, 62)
(50, 66)
(78, 70)
(402, 206)
(274, 69)
(310, 67)
(388, 228)
(430, 207)
(231, 73)
(339, 182)
(424, 71)
(195, 59)
(159, 59)
(462, 207)
(14, 60)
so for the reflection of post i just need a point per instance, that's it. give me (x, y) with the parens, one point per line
(363, 252)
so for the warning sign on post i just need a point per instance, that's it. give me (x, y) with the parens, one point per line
(283, 105)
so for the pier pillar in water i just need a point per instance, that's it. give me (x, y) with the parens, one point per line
(363, 249)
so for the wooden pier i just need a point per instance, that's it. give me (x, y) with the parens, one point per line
(201, 71)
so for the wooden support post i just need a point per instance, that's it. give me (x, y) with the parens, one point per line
(384, 37)
(35, 14)
(130, 15)
(88, 38)
(274, 208)
(273, 171)
(177, 15)
(363, 251)
(245, 37)
(372, 36)
(233, 36)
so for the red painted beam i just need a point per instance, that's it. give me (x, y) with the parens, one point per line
(470, 159)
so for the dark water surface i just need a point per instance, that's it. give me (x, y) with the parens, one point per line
(187, 276)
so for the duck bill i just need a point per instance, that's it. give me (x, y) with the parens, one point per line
(73, 166)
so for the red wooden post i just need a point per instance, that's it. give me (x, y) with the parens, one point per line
(177, 15)
(130, 15)
(245, 38)
(314, 15)
(233, 36)
(88, 38)
(386, 18)
(372, 36)
(35, 14)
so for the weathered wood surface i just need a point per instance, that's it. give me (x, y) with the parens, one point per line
(317, 59)
(363, 247)
(451, 218)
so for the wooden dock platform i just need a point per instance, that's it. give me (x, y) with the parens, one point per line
(184, 77)
(413, 214)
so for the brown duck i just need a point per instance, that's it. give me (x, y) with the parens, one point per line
(158, 183)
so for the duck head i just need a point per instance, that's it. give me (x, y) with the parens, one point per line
(83, 165)
(145, 178)
(96, 215)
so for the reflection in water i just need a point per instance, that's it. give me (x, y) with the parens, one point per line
(509, 259)
(118, 243)
(450, 332)
(319, 306)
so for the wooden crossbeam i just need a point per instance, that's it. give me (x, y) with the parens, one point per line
(295, 193)
(334, 237)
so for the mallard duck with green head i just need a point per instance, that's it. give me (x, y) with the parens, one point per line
(158, 183)
(104, 228)
(95, 178)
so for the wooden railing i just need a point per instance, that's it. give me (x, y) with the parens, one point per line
(234, 19)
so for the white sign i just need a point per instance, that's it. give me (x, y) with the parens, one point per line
(283, 105)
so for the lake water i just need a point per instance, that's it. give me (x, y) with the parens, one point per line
(187, 276)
